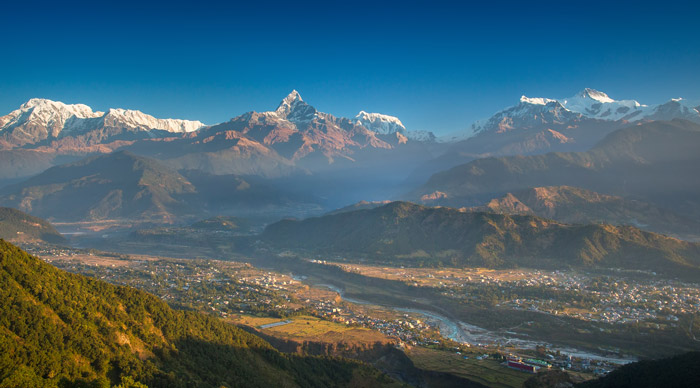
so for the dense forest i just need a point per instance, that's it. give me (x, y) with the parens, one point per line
(60, 330)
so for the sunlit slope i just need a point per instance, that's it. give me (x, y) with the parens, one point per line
(61, 329)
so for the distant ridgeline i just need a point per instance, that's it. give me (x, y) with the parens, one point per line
(403, 233)
(655, 162)
(122, 185)
(59, 329)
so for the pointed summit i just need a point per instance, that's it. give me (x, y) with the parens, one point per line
(285, 106)
(293, 96)
(293, 108)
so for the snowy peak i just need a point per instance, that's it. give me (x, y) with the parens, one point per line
(42, 105)
(388, 125)
(46, 111)
(291, 99)
(139, 120)
(293, 108)
(288, 103)
(535, 101)
(529, 113)
(587, 104)
(380, 123)
(40, 119)
(39, 111)
(294, 114)
(534, 112)
(594, 95)
(598, 105)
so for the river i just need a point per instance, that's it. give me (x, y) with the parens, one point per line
(463, 332)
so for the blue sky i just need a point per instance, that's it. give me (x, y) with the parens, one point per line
(436, 65)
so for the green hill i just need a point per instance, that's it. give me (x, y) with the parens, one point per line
(409, 234)
(62, 329)
(656, 162)
(18, 226)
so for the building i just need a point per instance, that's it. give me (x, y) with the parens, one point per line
(521, 366)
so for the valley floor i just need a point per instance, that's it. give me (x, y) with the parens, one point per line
(588, 322)
(307, 309)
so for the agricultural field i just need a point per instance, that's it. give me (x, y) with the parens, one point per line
(312, 329)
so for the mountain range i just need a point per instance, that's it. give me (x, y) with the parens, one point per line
(294, 134)
(579, 206)
(318, 158)
(292, 138)
(655, 162)
(124, 186)
(588, 104)
(115, 186)
(41, 122)
(296, 137)
(540, 125)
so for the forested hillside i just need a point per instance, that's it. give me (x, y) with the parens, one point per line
(20, 226)
(403, 233)
(62, 329)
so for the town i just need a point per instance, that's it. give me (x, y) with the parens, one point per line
(604, 298)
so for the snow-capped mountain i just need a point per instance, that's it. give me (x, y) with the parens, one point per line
(594, 104)
(387, 125)
(379, 123)
(540, 125)
(292, 137)
(39, 119)
(587, 104)
(297, 130)
(294, 109)
(529, 113)
(676, 108)
(138, 119)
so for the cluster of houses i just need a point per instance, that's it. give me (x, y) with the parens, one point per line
(616, 301)
(407, 329)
